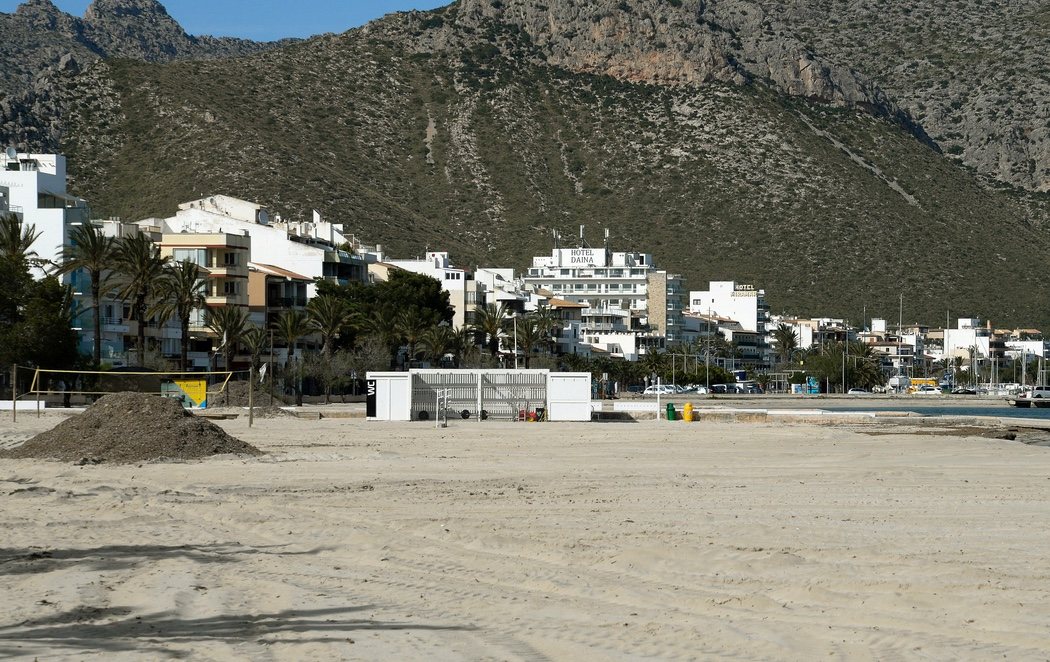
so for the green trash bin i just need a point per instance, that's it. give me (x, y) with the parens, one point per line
(670, 412)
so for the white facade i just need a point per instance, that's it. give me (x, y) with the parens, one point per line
(628, 346)
(35, 187)
(1026, 348)
(742, 303)
(745, 305)
(303, 248)
(615, 286)
(969, 332)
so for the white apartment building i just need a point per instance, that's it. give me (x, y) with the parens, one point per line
(308, 248)
(968, 333)
(34, 187)
(726, 298)
(626, 295)
(499, 286)
(744, 304)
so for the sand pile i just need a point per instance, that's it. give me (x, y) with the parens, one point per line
(236, 395)
(272, 412)
(132, 427)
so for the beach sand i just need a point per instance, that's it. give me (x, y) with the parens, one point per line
(650, 540)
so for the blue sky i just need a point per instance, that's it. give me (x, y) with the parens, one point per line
(266, 19)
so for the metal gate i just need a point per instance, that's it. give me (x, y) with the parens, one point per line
(492, 395)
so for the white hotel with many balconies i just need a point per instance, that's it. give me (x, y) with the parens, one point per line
(631, 305)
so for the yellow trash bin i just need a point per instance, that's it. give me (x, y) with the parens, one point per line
(687, 412)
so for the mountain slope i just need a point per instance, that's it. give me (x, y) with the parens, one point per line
(456, 131)
(39, 41)
(973, 73)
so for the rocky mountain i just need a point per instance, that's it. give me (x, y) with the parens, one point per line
(712, 134)
(39, 41)
(973, 73)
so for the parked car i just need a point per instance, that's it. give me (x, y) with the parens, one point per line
(702, 390)
(659, 389)
(635, 388)
(719, 388)
(962, 390)
(928, 390)
(857, 391)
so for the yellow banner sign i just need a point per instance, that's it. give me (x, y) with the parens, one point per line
(195, 391)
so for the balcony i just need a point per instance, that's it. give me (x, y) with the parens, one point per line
(114, 325)
(286, 302)
(225, 300)
(227, 271)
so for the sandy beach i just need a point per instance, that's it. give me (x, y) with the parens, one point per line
(648, 540)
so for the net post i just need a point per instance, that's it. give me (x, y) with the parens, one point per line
(36, 380)
(14, 393)
(251, 392)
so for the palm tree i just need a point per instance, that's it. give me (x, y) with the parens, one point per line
(654, 362)
(437, 341)
(488, 322)
(255, 340)
(786, 340)
(141, 269)
(528, 336)
(383, 325)
(181, 292)
(576, 363)
(329, 316)
(95, 253)
(462, 343)
(229, 323)
(16, 240)
(548, 322)
(412, 324)
(290, 327)
(864, 369)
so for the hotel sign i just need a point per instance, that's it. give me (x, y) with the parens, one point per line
(582, 257)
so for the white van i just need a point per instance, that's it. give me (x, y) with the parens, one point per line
(1040, 392)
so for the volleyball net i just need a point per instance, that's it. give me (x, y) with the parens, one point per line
(62, 387)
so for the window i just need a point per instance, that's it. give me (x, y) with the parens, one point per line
(229, 259)
(230, 287)
(198, 256)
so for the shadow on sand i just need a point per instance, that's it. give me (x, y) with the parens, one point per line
(83, 629)
(122, 557)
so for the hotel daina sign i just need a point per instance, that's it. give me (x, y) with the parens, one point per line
(582, 257)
